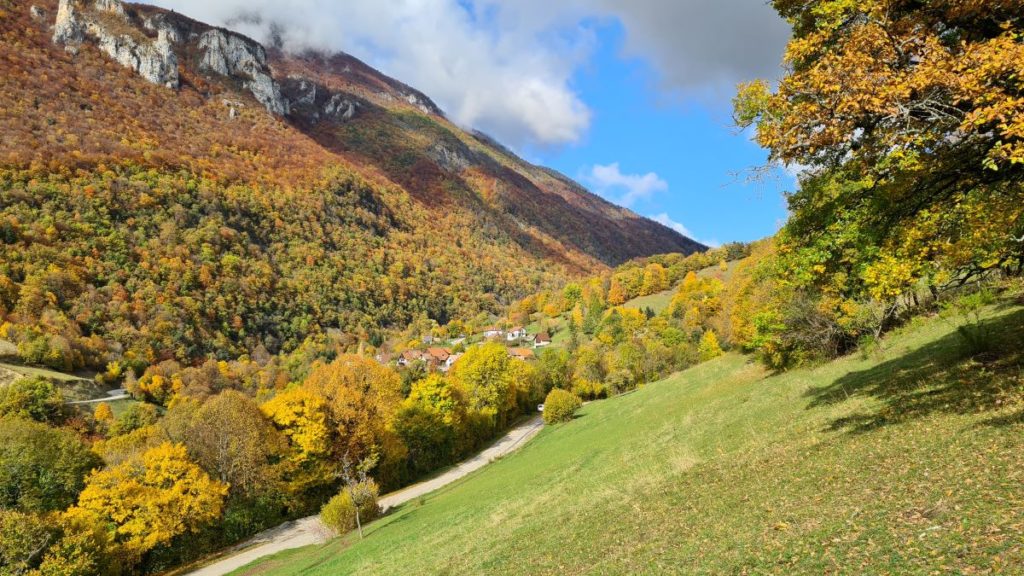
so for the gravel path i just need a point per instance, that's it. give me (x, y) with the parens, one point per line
(309, 530)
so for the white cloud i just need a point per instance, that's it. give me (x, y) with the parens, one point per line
(624, 189)
(704, 46)
(667, 221)
(511, 82)
(506, 67)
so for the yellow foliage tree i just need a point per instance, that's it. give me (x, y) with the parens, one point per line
(486, 378)
(436, 393)
(302, 417)
(151, 500)
(616, 295)
(709, 348)
(655, 279)
(362, 398)
(103, 413)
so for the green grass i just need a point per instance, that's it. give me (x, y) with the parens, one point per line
(660, 301)
(30, 371)
(74, 386)
(657, 302)
(717, 272)
(907, 460)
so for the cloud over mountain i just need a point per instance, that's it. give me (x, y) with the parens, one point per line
(507, 67)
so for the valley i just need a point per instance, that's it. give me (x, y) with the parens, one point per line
(726, 468)
(267, 308)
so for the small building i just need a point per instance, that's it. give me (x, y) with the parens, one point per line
(452, 359)
(515, 334)
(542, 340)
(493, 332)
(438, 356)
(521, 353)
(410, 357)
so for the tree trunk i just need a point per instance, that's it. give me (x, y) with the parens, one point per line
(355, 506)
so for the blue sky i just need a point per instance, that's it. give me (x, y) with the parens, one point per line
(631, 97)
(688, 142)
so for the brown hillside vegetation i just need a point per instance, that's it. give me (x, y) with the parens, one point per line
(156, 222)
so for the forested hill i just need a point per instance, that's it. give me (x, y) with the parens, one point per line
(171, 189)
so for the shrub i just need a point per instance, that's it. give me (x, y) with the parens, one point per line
(560, 406)
(617, 382)
(135, 417)
(709, 348)
(589, 389)
(339, 514)
(34, 398)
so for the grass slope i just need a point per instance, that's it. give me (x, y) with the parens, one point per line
(908, 461)
(656, 302)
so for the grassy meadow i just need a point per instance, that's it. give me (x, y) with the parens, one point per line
(905, 459)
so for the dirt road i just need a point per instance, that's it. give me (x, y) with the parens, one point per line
(309, 530)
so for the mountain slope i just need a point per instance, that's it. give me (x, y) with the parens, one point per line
(171, 189)
(908, 461)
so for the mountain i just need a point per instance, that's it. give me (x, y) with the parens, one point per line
(174, 189)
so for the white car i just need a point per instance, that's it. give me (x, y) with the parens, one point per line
(540, 408)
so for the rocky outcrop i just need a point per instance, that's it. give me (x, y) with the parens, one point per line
(161, 23)
(220, 52)
(340, 108)
(154, 60)
(233, 55)
(68, 30)
(312, 102)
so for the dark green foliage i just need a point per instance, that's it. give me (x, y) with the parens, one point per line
(41, 468)
(137, 416)
(430, 441)
(23, 538)
(34, 398)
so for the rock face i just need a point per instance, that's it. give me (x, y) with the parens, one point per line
(313, 102)
(232, 55)
(154, 60)
(220, 52)
(67, 30)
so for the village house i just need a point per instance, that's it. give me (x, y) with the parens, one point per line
(438, 356)
(452, 359)
(493, 332)
(542, 340)
(410, 357)
(515, 334)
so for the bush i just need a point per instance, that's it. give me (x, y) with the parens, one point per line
(589, 389)
(339, 514)
(560, 406)
(34, 398)
(137, 416)
(709, 348)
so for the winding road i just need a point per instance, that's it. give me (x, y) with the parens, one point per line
(307, 531)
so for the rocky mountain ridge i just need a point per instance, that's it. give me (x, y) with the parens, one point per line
(173, 189)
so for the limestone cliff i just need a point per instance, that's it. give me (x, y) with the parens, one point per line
(127, 39)
(154, 60)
